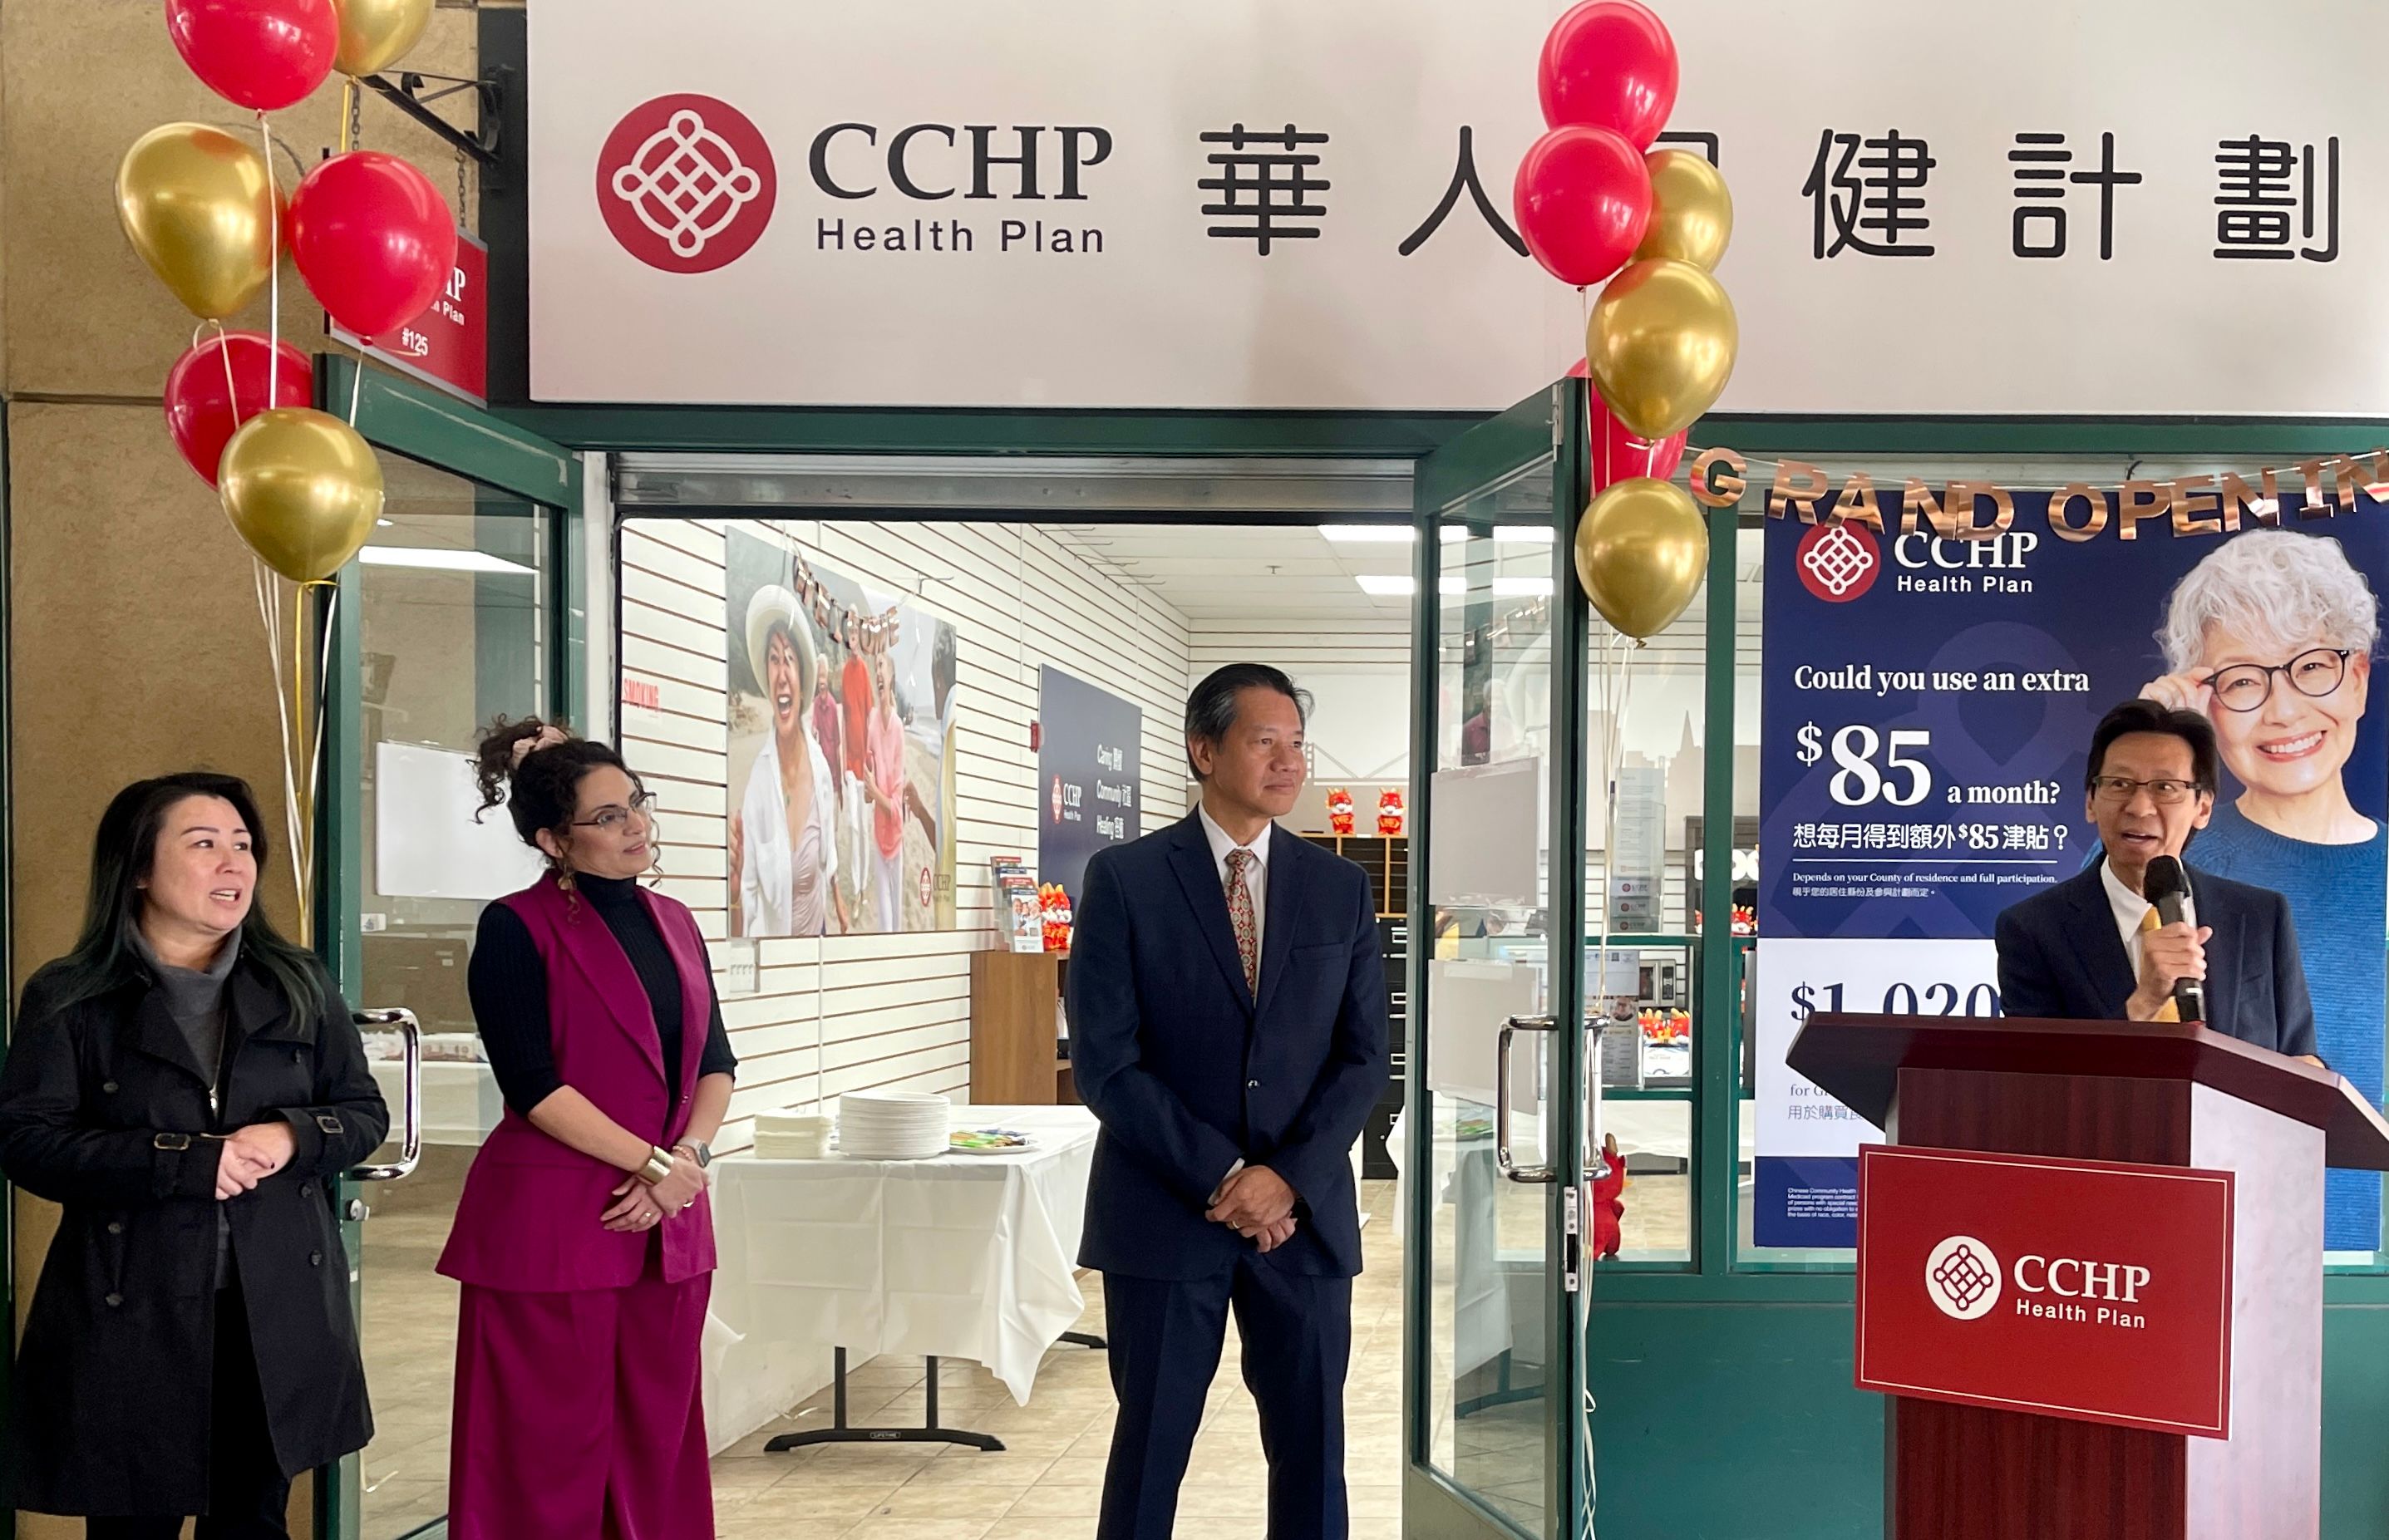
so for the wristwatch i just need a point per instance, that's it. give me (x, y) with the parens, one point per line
(697, 1146)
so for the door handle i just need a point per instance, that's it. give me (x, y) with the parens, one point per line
(1508, 1168)
(410, 1147)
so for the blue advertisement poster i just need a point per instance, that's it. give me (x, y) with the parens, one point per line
(1926, 710)
(1088, 776)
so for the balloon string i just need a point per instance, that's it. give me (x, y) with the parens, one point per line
(348, 109)
(323, 693)
(301, 811)
(269, 612)
(356, 387)
(223, 351)
(273, 272)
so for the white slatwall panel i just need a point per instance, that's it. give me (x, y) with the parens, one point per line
(842, 1013)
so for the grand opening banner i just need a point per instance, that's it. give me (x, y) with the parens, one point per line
(1307, 204)
(1926, 710)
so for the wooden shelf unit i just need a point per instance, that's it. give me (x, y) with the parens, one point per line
(1387, 860)
(1014, 1027)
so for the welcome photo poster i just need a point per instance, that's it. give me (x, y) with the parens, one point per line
(840, 741)
(1926, 711)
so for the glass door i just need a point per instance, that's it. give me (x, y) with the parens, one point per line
(1495, 1120)
(456, 611)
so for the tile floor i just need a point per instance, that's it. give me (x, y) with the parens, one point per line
(1047, 1480)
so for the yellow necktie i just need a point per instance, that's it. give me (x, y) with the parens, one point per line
(2168, 1012)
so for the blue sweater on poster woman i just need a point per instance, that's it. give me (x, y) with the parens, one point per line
(2339, 900)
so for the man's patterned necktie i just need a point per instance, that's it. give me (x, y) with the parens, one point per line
(1240, 915)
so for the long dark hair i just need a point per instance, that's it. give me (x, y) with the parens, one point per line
(540, 786)
(124, 853)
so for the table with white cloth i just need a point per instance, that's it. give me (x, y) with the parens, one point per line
(956, 1257)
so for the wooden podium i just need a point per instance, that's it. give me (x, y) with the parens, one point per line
(2153, 1093)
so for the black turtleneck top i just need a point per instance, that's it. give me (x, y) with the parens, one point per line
(507, 981)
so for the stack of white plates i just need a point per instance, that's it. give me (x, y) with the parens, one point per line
(789, 1134)
(893, 1125)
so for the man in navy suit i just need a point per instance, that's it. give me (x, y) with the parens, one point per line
(2088, 949)
(1227, 1007)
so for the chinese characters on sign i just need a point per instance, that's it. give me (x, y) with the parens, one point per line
(2041, 178)
(1868, 196)
(1872, 212)
(2256, 198)
(1263, 189)
(1464, 178)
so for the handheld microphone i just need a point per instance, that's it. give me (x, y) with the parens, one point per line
(2166, 884)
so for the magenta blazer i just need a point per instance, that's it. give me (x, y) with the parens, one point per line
(529, 1217)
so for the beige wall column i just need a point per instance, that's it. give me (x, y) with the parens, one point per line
(134, 642)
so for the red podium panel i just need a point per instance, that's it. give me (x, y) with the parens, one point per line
(2059, 1094)
(2091, 1290)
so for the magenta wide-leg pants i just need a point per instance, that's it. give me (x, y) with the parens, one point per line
(579, 1414)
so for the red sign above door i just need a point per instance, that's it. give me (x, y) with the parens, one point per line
(448, 345)
(2066, 1288)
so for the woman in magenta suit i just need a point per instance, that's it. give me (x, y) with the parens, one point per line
(583, 1240)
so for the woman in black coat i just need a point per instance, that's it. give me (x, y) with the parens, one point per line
(186, 1084)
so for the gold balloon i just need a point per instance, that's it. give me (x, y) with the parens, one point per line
(1691, 214)
(199, 206)
(1661, 346)
(375, 35)
(302, 489)
(1641, 553)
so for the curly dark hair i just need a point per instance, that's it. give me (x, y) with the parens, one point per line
(540, 786)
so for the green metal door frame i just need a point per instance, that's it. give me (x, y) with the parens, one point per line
(1548, 425)
(398, 417)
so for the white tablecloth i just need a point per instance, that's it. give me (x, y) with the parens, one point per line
(963, 1256)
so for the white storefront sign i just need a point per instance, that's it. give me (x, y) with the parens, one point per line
(2146, 205)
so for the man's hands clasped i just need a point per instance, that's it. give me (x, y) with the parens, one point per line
(1257, 1204)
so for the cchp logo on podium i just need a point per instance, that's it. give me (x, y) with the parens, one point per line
(1963, 1277)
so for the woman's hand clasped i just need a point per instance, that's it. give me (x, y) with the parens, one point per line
(680, 1189)
(636, 1208)
(640, 1206)
(250, 1156)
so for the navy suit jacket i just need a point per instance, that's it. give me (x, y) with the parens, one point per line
(2060, 955)
(1189, 1073)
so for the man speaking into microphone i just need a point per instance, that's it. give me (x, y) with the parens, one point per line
(2141, 936)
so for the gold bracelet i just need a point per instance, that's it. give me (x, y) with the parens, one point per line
(659, 1167)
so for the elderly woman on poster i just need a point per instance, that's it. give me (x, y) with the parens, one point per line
(2270, 637)
(783, 840)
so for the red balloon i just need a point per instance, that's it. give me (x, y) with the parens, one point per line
(204, 407)
(1609, 63)
(1582, 199)
(262, 54)
(372, 238)
(1617, 453)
